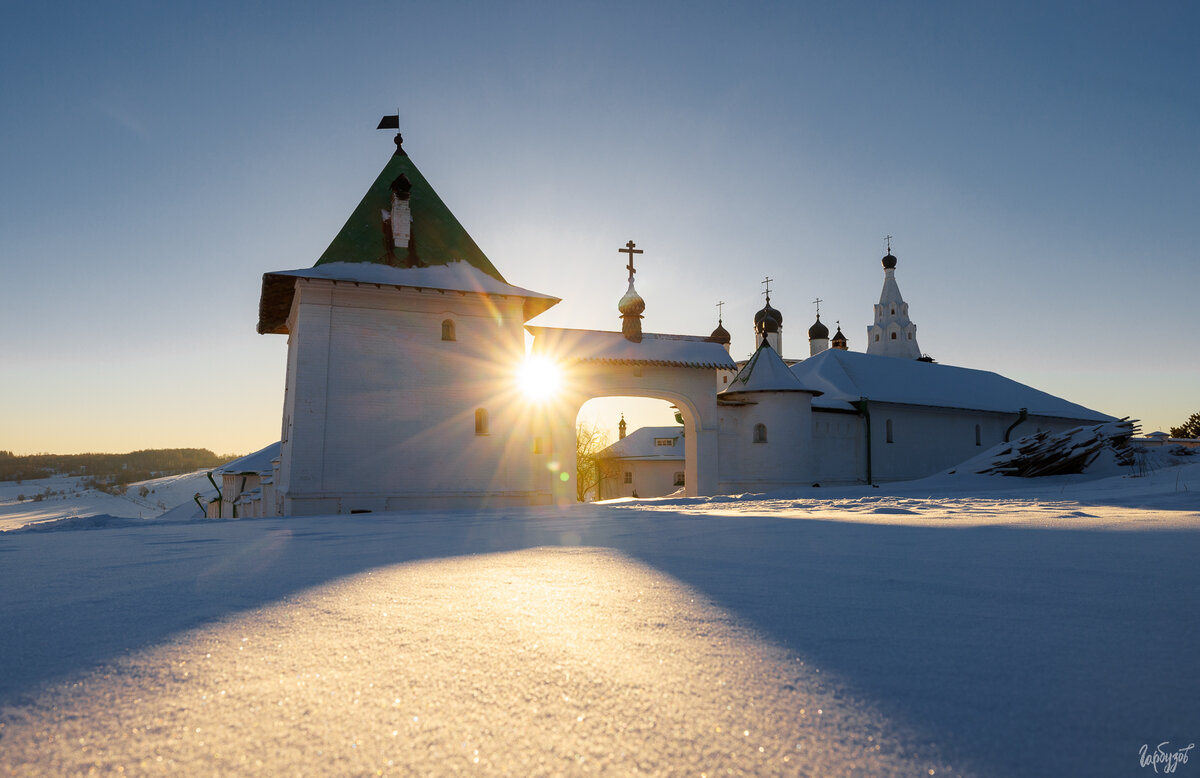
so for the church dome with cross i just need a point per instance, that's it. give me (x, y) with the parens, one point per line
(768, 320)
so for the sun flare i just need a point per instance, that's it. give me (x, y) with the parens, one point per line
(539, 378)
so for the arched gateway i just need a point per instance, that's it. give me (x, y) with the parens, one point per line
(677, 368)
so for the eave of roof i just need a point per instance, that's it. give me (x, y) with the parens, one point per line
(278, 288)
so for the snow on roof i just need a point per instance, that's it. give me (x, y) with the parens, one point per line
(642, 444)
(847, 376)
(258, 462)
(765, 372)
(612, 347)
(458, 276)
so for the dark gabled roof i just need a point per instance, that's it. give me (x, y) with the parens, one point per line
(437, 236)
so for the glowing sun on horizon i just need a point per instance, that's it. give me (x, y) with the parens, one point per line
(539, 378)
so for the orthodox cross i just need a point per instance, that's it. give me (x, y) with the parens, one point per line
(767, 283)
(630, 250)
(818, 301)
(889, 241)
(720, 306)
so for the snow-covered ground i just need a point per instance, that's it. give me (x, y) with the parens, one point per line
(70, 498)
(956, 626)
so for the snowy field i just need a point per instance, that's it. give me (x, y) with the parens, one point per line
(65, 497)
(960, 625)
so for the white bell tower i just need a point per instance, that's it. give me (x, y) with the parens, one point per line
(893, 334)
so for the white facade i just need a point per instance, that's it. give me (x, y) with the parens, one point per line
(402, 397)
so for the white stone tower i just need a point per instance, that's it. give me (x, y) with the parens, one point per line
(893, 334)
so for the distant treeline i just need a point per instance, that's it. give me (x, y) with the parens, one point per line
(114, 469)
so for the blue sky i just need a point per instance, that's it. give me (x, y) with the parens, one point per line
(1036, 164)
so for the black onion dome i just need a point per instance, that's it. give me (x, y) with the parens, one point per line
(720, 335)
(889, 262)
(768, 319)
(818, 330)
(838, 337)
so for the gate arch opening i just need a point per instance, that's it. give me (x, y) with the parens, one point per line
(629, 447)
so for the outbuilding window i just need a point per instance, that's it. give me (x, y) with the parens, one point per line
(888, 430)
(664, 441)
(481, 421)
(760, 433)
(628, 477)
(679, 479)
(978, 436)
(448, 330)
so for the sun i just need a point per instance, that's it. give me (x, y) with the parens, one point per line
(539, 378)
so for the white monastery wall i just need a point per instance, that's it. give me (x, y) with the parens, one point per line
(839, 445)
(389, 412)
(924, 441)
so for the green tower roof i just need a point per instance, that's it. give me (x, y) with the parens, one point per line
(437, 237)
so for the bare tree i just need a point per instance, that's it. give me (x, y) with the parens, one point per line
(590, 469)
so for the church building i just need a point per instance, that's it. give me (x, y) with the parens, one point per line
(404, 341)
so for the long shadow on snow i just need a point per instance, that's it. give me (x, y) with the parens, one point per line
(75, 599)
(1022, 651)
(995, 640)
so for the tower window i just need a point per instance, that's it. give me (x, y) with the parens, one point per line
(910, 336)
(481, 421)
(888, 430)
(893, 336)
(877, 337)
(760, 433)
(448, 330)
(893, 310)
